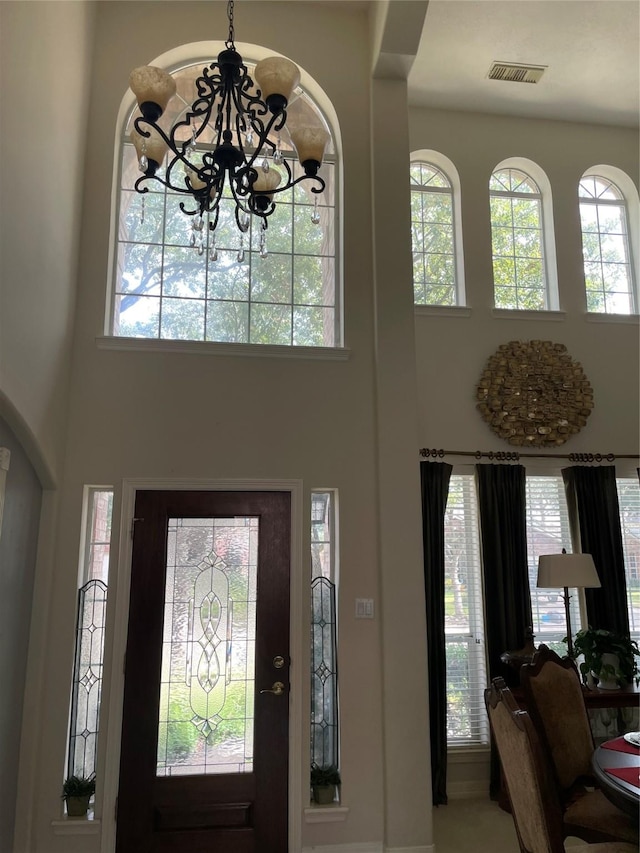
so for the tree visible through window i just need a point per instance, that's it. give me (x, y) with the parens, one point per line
(174, 279)
(605, 247)
(432, 236)
(519, 277)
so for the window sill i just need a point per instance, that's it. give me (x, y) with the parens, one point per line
(522, 314)
(442, 310)
(325, 814)
(76, 825)
(476, 754)
(109, 342)
(631, 319)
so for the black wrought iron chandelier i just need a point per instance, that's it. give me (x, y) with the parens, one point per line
(244, 122)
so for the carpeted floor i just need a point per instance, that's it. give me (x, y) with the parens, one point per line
(476, 826)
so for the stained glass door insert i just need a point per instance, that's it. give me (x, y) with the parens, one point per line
(208, 651)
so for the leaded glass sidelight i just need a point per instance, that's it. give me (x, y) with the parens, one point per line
(324, 668)
(86, 689)
(87, 680)
(208, 653)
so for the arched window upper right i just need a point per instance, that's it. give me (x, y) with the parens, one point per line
(605, 247)
(517, 240)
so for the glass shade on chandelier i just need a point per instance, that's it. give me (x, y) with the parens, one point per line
(228, 142)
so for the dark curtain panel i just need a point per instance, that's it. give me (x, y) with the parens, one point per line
(501, 501)
(594, 513)
(434, 479)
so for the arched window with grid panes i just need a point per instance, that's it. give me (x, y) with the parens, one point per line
(175, 280)
(606, 249)
(435, 231)
(520, 248)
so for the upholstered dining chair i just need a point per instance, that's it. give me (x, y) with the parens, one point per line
(554, 699)
(534, 804)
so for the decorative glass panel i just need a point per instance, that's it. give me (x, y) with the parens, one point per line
(324, 668)
(87, 678)
(90, 624)
(208, 654)
(324, 722)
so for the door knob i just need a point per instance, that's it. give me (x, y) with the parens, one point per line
(277, 688)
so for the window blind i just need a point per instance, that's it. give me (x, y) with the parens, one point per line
(464, 617)
(548, 533)
(629, 500)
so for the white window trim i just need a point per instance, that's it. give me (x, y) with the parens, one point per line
(534, 171)
(631, 200)
(440, 161)
(113, 342)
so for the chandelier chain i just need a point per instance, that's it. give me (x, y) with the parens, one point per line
(230, 43)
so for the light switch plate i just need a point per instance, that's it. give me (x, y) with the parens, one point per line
(364, 608)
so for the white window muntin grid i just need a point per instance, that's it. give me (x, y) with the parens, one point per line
(250, 251)
(540, 229)
(620, 203)
(330, 159)
(448, 190)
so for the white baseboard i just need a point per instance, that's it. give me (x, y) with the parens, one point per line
(424, 848)
(367, 847)
(359, 847)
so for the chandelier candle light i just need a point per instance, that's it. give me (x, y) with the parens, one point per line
(244, 124)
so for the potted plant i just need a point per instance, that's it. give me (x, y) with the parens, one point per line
(324, 781)
(609, 656)
(76, 792)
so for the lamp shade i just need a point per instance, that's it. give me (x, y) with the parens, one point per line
(153, 147)
(266, 182)
(277, 76)
(310, 143)
(570, 570)
(152, 85)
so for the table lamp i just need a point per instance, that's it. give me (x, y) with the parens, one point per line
(561, 571)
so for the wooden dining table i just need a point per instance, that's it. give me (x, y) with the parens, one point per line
(616, 766)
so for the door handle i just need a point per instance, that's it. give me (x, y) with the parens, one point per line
(277, 688)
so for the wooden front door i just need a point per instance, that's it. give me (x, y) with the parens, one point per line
(204, 760)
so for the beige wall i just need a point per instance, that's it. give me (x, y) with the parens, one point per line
(44, 74)
(452, 351)
(346, 425)
(154, 414)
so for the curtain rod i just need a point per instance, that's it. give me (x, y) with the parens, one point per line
(514, 455)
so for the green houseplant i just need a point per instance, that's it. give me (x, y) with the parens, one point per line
(609, 656)
(76, 792)
(324, 781)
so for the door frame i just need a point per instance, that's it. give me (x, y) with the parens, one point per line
(119, 589)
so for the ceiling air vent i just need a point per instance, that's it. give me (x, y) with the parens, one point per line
(516, 72)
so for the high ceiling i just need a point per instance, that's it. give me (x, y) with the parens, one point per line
(591, 49)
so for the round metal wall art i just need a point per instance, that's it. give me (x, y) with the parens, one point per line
(532, 393)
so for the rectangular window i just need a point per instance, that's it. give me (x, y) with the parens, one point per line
(464, 619)
(324, 668)
(548, 533)
(629, 500)
(90, 624)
